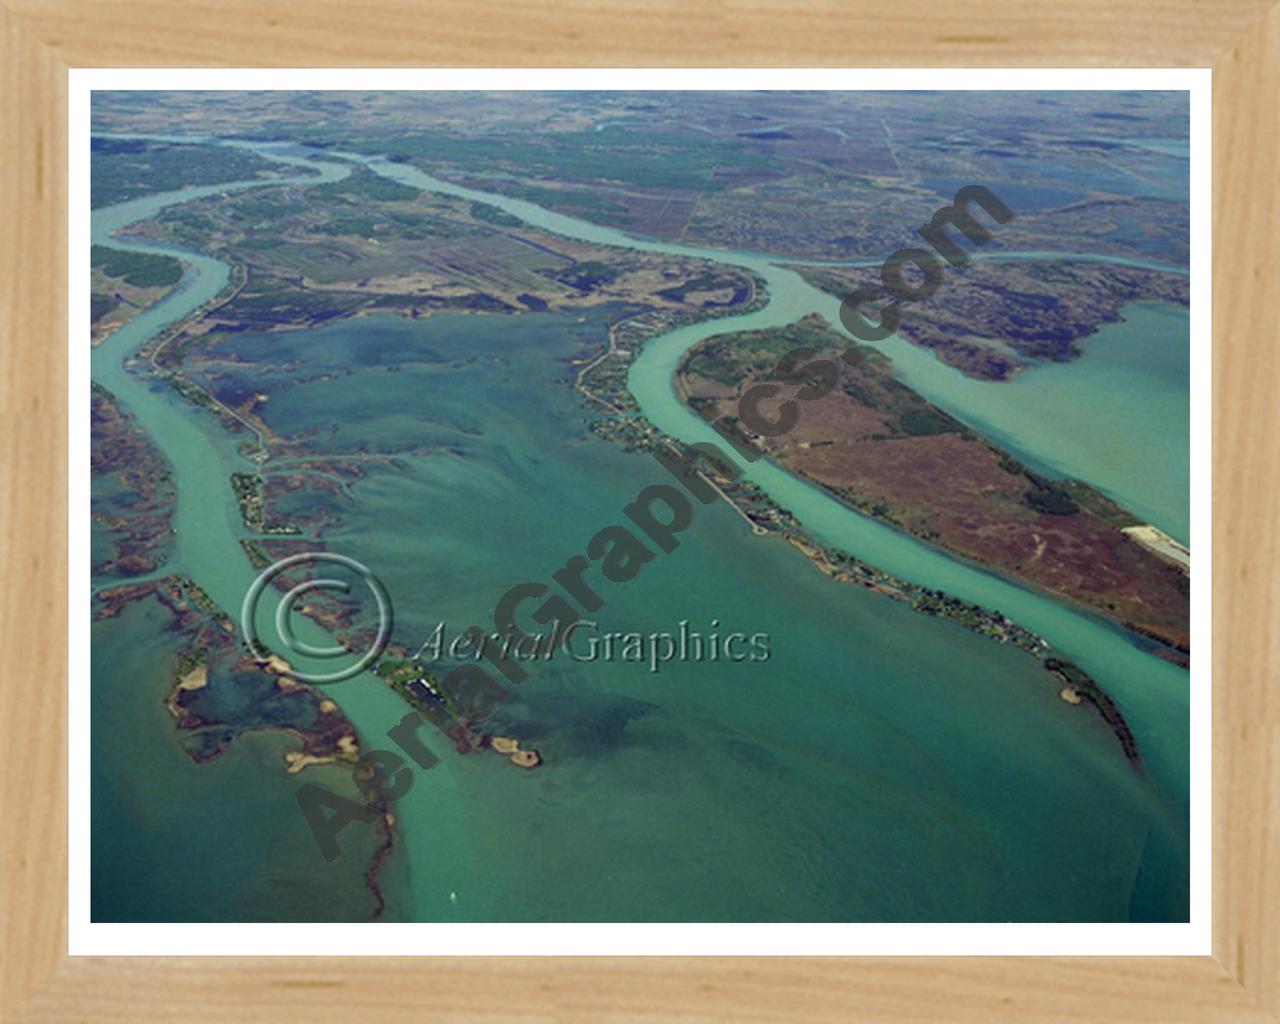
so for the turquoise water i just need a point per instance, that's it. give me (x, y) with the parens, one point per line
(1075, 422)
(129, 694)
(1117, 417)
(887, 767)
(173, 840)
(876, 767)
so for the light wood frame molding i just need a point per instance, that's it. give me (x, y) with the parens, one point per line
(1239, 39)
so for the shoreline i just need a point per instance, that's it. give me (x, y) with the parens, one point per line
(389, 820)
(636, 433)
(334, 740)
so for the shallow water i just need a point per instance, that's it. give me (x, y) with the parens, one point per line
(886, 766)
(173, 840)
(880, 765)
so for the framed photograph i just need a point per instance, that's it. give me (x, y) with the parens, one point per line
(589, 534)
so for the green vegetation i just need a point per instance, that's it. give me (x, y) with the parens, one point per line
(734, 358)
(268, 301)
(190, 660)
(388, 223)
(248, 491)
(1049, 497)
(972, 617)
(639, 158)
(184, 225)
(399, 674)
(140, 269)
(580, 204)
(397, 671)
(193, 394)
(252, 206)
(586, 275)
(1052, 501)
(365, 184)
(125, 169)
(492, 215)
(1068, 496)
(1100, 505)
(922, 419)
(194, 593)
(353, 225)
(258, 558)
(1076, 678)
(708, 281)
(100, 305)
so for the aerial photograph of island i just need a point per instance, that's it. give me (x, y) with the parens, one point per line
(639, 506)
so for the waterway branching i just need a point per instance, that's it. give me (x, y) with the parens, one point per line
(603, 382)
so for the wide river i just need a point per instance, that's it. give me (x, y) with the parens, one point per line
(1125, 432)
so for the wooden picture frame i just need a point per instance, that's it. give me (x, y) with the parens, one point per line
(41, 39)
